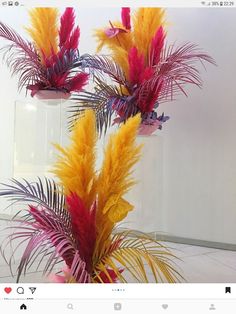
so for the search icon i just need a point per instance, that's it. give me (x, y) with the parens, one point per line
(70, 306)
(20, 290)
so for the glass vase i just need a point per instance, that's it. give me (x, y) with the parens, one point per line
(39, 123)
(146, 195)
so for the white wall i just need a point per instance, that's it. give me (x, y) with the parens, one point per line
(199, 140)
(199, 146)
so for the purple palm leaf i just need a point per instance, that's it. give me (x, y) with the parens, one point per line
(21, 56)
(44, 193)
(44, 231)
(45, 227)
(176, 68)
(101, 101)
(36, 71)
(47, 240)
(102, 64)
(78, 270)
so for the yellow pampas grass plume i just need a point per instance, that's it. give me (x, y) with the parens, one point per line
(115, 179)
(76, 164)
(44, 29)
(146, 22)
(120, 56)
(118, 45)
(75, 169)
(123, 39)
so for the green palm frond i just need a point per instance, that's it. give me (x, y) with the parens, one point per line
(141, 256)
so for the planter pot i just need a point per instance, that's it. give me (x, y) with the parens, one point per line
(51, 95)
(149, 129)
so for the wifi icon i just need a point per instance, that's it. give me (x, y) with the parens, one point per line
(32, 289)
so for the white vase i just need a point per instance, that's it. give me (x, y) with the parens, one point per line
(146, 195)
(38, 125)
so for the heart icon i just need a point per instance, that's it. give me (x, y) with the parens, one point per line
(8, 290)
(164, 306)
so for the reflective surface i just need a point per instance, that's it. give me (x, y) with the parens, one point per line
(38, 125)
(146, 195)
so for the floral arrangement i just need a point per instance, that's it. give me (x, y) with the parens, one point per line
(142, 72)
(47, 62)
(75, 221)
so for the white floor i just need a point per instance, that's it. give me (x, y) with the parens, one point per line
(196, 264)
(205, 265)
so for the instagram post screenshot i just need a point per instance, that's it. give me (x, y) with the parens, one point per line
(118, 156)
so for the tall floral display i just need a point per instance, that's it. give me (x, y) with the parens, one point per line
(46, 64)
(142, 72)
(76, 221)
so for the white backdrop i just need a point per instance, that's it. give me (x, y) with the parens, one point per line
(199, 145)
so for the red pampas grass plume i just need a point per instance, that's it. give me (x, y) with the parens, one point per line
(157, 45)
(125, 17)
(83, 225)
(73, 41)
(77, 82)
(67, 25)
(136, 65)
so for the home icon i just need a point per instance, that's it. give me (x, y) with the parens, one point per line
(23, 307)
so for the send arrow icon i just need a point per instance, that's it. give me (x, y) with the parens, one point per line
(32, 289)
